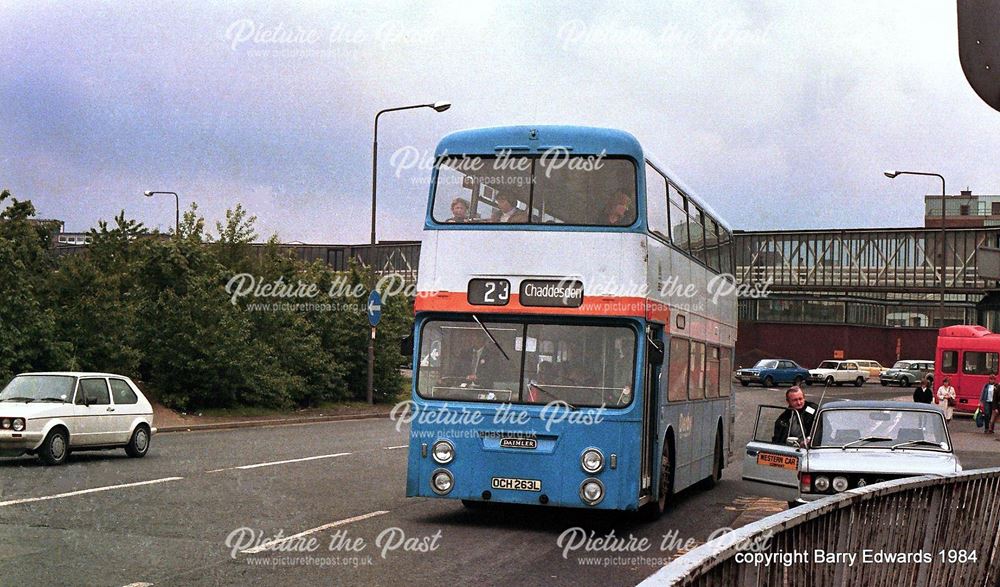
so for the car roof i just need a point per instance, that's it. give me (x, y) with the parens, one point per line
(881, 405)
(75, 374)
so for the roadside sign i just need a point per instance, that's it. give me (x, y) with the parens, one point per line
(374, 308)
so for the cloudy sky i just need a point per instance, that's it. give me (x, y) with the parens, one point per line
(780, 114)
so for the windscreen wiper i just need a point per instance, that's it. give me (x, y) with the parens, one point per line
(52, 399)
(26, 400)
(490, 334)
(866, 439)
(923, 442)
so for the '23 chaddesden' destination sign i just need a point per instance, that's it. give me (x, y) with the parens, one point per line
(549, 293)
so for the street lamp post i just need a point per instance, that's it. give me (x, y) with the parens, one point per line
(944, 249)
(438, 107)
(177, 209)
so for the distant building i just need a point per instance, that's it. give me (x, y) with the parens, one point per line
(966, 210)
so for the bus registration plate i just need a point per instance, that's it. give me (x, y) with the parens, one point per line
(517, 484)
(781, 461)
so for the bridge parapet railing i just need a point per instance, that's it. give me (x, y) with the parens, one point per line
(919, 531)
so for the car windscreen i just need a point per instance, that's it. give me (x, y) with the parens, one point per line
(39, 387)
(533, 363)
(901, 365)
(828, 365)
(838, 427)
(766, 365)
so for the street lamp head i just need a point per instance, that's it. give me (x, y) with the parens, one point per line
(441, 106)
(148, 194)
(891, 174)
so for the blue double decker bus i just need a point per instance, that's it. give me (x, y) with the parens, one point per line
(575, 325)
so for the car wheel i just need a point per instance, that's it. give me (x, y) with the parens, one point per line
(138, 445)
(798, 380)
(55, 447)
(859, 382)
(829, 380)
(885, 383)
(745, 383)
(653, 510)
(904, 382)
(769, 381)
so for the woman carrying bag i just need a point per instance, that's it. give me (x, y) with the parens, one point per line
(945, 398)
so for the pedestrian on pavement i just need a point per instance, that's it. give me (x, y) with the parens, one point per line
(924, 393)
(946, 398)
(987, 399)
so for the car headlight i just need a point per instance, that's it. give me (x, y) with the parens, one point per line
(442, 481)
(840, 484)
(822, 483)
(18, 424)
(592, 461)
(443, 452)
(5, 423)
(591, 491)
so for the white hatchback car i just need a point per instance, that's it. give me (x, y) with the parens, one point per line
(50, 414)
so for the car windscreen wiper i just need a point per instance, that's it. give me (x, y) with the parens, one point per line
(26, 400)
(52, 399)
(490, 334)
(921, 442)
(866, 439)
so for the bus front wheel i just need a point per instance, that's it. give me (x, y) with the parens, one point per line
(655, 509)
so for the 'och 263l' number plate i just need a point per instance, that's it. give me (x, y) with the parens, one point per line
(517, 484)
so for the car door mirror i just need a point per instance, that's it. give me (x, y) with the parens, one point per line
(792, 441)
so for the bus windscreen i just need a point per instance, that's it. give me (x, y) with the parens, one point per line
(574, 190)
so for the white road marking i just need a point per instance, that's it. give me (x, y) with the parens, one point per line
(274, 543)
(272, 463)
(395, 447)
(139, 585)
(85, 491)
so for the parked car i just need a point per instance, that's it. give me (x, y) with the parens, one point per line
(853, 444)
(51, 414)
(838, 373)
(907, 373)
(771, 372)
(874, 368)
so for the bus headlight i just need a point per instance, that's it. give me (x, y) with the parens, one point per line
(443, 452)
(442, 482)
(822, 483)
(840, 483)
(591, 491)
(592, 460)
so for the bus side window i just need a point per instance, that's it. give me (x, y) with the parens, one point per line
(949, 362)
(678, 383)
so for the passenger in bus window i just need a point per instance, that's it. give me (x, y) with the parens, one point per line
(459, 210)
(616, 210)
(508, 212)
(540, 388)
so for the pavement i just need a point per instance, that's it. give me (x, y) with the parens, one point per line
(167, 420)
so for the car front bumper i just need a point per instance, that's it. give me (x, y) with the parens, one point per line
(18, 442)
